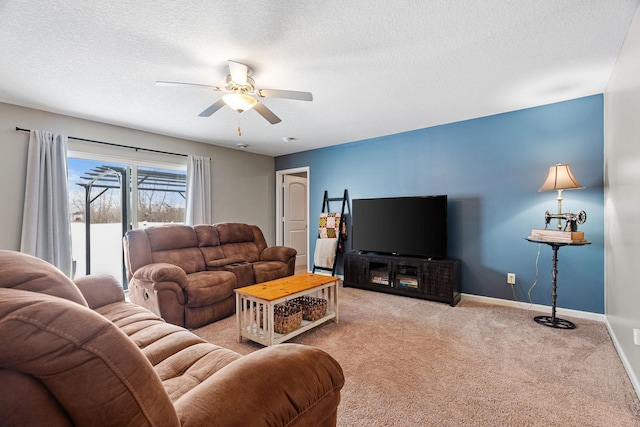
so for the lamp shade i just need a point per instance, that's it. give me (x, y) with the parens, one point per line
(560, 178)
(239, 102)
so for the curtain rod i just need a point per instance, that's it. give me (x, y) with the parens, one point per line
(113, 145)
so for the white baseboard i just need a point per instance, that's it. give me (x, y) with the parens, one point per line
(625, 362)
(535, 307)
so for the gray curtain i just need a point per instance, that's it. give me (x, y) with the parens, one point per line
(46, 230)
(198, 209)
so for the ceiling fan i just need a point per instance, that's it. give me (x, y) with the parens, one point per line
(242, 95)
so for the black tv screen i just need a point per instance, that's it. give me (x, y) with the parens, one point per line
(411, 226)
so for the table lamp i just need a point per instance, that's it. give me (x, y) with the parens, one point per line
(561, 178)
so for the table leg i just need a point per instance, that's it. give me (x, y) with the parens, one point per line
(552, 321)
(335, 301)
(239, 314)
(271, 319)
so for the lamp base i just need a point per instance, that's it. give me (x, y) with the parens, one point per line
(554, 322)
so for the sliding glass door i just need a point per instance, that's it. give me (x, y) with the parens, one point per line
(109, 198)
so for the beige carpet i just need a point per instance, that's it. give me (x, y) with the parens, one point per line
(410, 362)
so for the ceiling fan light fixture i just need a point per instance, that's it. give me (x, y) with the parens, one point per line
(239, 102)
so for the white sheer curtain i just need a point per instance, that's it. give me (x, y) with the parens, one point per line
(198, 209)
(46, 230)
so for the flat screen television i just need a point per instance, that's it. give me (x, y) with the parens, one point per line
(410, 226)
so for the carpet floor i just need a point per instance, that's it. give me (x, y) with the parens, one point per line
(410, 362)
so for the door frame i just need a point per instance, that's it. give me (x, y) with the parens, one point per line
(280, 203)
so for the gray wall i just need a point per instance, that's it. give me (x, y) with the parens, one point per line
(243, 184)
(622, 201)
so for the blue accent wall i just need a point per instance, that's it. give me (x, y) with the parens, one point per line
(491, 169)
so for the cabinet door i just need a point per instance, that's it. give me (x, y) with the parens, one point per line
(407, 276)
(439, 279)
(380, 272)
(356, 269)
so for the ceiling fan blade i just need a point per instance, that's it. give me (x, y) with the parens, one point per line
(266, 113)
(239, 72)
(162, 83)
(288, 94)
(212, 109)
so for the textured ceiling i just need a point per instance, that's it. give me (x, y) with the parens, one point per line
(374, 67)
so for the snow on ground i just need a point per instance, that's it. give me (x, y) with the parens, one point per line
(106, 248)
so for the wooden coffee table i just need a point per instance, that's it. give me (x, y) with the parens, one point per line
(255, 305)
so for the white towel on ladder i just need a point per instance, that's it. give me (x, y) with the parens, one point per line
(325, 252)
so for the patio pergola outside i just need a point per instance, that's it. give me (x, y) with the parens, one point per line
(103, 178)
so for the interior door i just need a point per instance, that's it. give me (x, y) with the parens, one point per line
(295, 217)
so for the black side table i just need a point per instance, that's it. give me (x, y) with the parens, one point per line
(553, 321)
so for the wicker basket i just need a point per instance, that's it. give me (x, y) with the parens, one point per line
(312, 308)
(287, 317)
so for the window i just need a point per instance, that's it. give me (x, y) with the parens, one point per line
(102, 195)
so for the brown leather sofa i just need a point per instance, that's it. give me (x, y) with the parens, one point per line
(187, 274)
(79, 355)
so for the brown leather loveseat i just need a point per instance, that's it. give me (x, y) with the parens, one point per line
(187, 274)
(80, 355)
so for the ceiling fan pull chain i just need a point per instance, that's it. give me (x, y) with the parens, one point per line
(239, 131)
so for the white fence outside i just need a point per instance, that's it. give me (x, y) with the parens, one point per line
(106, 248)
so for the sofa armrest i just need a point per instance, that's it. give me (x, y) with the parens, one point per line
(100, 290)
(278, 253)
(161, 272)
(287, 384)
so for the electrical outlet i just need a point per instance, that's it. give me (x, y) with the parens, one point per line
(636, 336)
(511, 278)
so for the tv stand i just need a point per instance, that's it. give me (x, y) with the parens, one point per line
(432, 279)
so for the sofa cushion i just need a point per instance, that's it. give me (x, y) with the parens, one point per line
(237, 241)
(173, 236)
(208, 242)
(246, 251)
(209, 287)
(258, 238)
(207, 235)
(298, 386)
(69, 350)
(212, 254)
(188, 259)
(181, 359)
(233, 232)
(269, 270)
(22, 271)
(176, 244)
